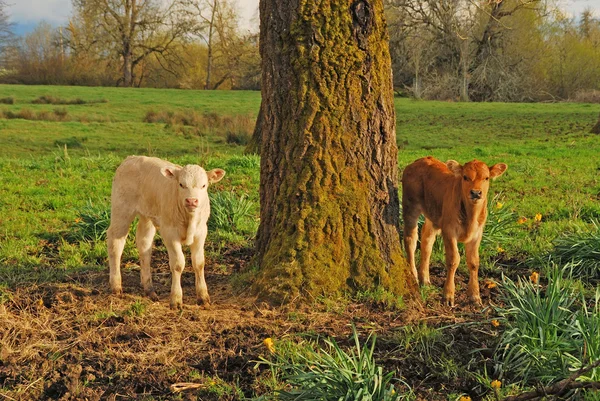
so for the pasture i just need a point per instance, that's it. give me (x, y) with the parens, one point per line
(62, 336)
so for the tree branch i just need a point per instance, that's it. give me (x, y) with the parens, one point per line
(561, 387)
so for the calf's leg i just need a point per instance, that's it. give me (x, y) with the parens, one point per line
(176, 262)
(452, 261)
(428, 234)
(116, 236)
(144, 239)
(198, 262)
(472, 251)
(410, 215)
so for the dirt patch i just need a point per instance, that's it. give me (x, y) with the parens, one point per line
(73, 340)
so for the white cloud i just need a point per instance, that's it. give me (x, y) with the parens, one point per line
(58, 11)
(30, 11)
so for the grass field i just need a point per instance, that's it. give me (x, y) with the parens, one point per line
(62, 336)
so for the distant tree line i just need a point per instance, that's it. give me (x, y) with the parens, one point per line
(141, 43)
(470, 50)
(493, 50)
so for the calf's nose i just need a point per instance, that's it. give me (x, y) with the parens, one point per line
(475, 194)
(191, 202)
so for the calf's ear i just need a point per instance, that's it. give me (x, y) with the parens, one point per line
(454, 167)
(215, 175)
(169, 172)
(497, 170)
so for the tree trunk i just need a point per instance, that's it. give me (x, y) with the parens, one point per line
(209, 60)
(254, 144)
(464, 54)
(596, 128)
(329, 167)
(127, 73)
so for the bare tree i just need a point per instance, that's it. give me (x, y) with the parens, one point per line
(329, 169)
(473, 39)
(227, 49)
(6, 33)
(132, 30)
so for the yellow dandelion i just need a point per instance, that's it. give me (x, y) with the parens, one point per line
(521, 220)
(495, 323)
(268, 342)
(500, 249)
(496, 384)
(78, 220)
(538, 217)
(535, 277)
(499, 205)
(490, 284)
(465, 398)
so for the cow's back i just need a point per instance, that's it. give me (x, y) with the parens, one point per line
(426, 184)
(139, 183)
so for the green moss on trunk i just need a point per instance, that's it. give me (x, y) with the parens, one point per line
(329, 176)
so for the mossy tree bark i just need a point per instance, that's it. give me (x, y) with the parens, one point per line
(596, 128)
(329, 173)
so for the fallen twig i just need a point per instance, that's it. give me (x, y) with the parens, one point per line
(561, 387)
(179, 387)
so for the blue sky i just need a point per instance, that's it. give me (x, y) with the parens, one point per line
(26, 14)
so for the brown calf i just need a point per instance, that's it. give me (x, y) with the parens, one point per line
(453, 199)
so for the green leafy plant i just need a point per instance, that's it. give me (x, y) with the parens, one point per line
(582, 250)
(92, 223)
(232, 213)
(500, 222)
(550, 332)
(331, 373)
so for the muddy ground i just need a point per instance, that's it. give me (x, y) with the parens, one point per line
(72, 340)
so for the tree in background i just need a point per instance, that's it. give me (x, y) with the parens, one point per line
(37, 56)
(469, 45)
(6, 34)
(329, 219)
(130, 31)
(231, 56)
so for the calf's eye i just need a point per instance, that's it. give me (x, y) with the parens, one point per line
(181, 185)
(203, 186)
(465, 178)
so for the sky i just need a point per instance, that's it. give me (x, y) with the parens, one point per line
(26, 14)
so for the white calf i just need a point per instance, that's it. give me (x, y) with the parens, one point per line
(173, 199)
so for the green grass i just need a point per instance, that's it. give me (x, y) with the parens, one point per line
(551, 331)
(312, 372)
(52, 170)
(56, 173)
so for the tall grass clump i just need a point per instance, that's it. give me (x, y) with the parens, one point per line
(56, 100)
(582, 251)
(60, 114)
(249, 162)
(331, 373)
(232, 213)
(7, 100)
(499, 223)
(549, 332)
(234, 129)
(92, 223)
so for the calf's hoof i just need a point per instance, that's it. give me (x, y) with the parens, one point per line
(448, 300)
(475, 299)
(205, 302)
(117, 292)
(152, 295)
(176, 304)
